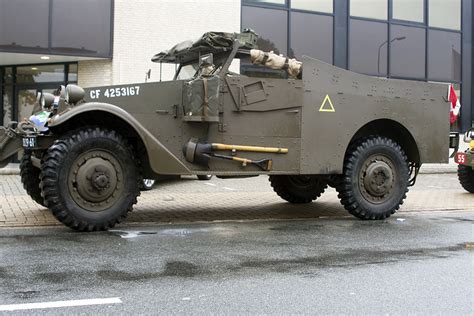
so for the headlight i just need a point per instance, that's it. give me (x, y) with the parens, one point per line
(74, 94)
(46, 100)
(469, 136)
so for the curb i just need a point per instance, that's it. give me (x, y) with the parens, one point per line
(438, 168)
(10, 169)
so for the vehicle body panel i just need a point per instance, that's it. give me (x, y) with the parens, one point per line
(290, 113)
(359, 99)
(161, 159)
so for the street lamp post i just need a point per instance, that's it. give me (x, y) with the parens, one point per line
(401, 38)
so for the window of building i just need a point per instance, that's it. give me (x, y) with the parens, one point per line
(68, 34)
(445, 14)
(271, 25)
(407, 51)
(444, 57)
(281, 2)
(408, 10)
(72, 73)
(368, 47)
(24, 24)
(8, 75)
(311, 5)
(40, 73)
(372, 9)
(7, 95)
(314, 44)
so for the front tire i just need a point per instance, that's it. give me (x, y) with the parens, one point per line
(466, 178)
(375, 178)
(30, 178)
(298, 189)
(89, 179)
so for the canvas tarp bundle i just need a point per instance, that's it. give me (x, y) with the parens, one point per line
(213, 41)
(201, 102)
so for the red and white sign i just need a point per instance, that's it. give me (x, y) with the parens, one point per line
(460, 158)
(455, 104)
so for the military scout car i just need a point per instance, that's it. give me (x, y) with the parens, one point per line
(319, 125)
(465, 161)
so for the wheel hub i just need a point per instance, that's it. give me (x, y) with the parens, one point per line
(377, 179)
(95, 180)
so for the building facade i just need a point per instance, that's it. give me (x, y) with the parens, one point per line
(103, 42)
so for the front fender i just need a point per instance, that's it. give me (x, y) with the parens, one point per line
(162, 161)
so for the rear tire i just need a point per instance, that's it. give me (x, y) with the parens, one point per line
(466, 178)
(375, 178)
(30, 177)
(298, 189)
(89, 179)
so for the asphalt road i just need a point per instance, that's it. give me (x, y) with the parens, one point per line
(417, 262)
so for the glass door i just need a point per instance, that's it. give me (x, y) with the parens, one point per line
(26, 99)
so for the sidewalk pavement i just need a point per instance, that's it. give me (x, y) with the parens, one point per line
(189, 200)
(430, 168)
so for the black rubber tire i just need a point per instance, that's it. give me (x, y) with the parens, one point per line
(60, 159)
(30, 177)
(204, 177)
(466, 178)
(298, 189)
(349, 189)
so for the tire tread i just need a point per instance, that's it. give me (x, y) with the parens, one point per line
(345, 188)
(281, 187)
(50, 175)
(30, 178)
(466, 178)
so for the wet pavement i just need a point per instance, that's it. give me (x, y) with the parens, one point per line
(421, 262)
(233, 247)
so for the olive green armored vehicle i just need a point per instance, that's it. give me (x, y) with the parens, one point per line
(465, 161)
(314, 126)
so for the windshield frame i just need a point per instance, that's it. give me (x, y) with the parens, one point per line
(180, 68)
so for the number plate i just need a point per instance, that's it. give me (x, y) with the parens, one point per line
(29, 142)
(460, 158)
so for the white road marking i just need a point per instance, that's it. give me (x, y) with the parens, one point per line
(71, 303)
(208, 183)
(229, 189)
